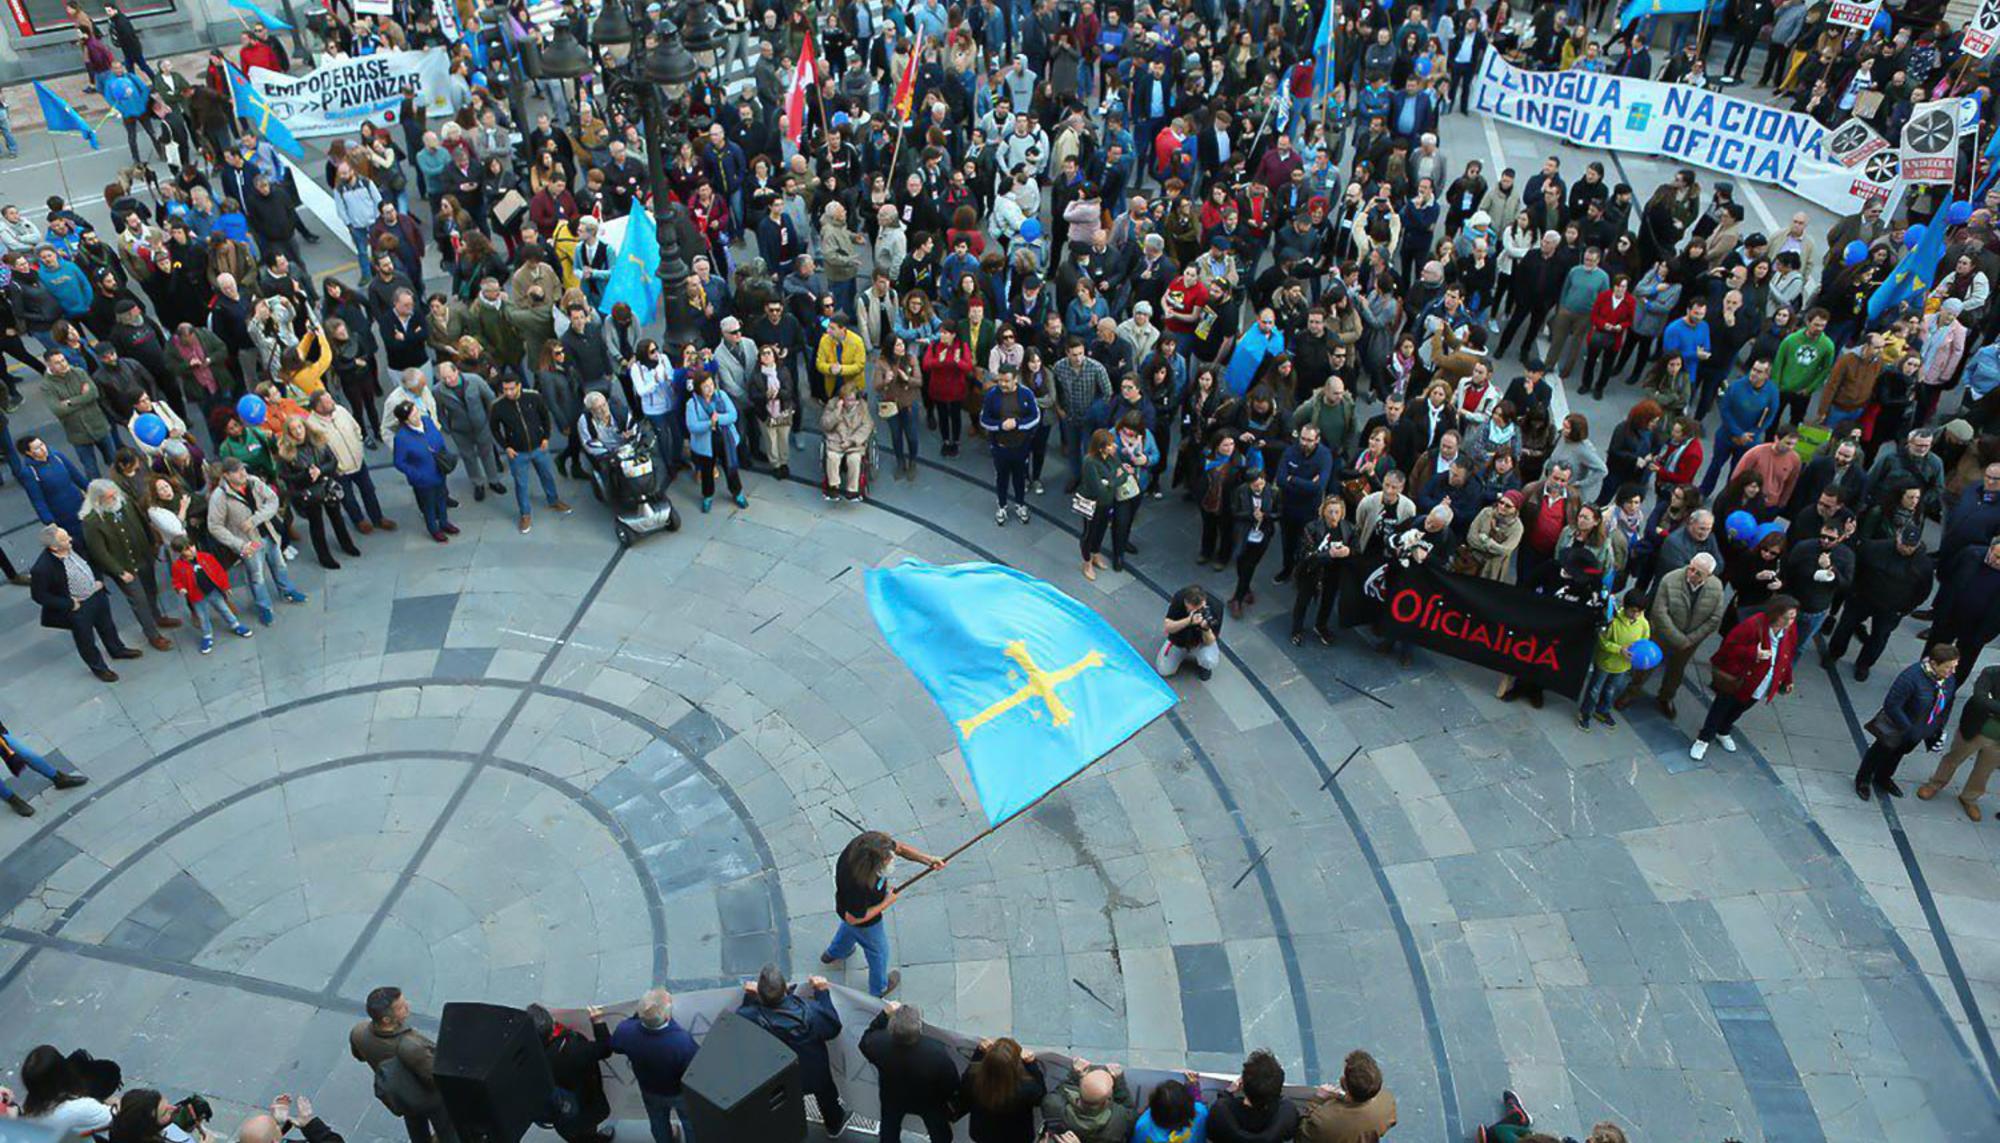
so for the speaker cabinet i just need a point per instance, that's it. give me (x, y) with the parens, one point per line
(491, 1072)
(744, 1084)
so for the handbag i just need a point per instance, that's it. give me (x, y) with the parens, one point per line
(447, 461)
(1879, 729)
(1083, 506)
(887, 409)
(1722, 682)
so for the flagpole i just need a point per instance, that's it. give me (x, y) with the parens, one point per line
(989, 831)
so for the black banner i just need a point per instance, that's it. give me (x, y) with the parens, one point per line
(1495, 625)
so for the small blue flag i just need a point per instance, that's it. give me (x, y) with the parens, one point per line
(1037, 685)
(252, 109)
(632, 278)
(1914, 275)
(60, 116)
(271, 23)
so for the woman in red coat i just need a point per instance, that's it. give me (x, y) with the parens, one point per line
(946, 364)
(1753, 665)
(1610, 320)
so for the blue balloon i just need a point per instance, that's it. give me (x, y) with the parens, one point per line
(1774, 528)
(1031, 229)
(1914, 235)
(1741, 525)
(1959, 214)
(150, 429)
(250, 409)
(1856, 251)
(1424, 66)
(1646, 655)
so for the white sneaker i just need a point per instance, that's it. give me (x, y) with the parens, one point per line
(1000, 516)
(1728, 742)
(1035, 486)
(1699, 750)
(1021, 513)
(291, 553)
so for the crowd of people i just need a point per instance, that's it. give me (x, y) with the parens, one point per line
(1150, 238)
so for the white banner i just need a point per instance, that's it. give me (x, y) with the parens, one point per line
(448, 22)
(335, 97)
(1853, 13)
(1930, 143)
(1982, 32)
(375, 7)
(1677, 123)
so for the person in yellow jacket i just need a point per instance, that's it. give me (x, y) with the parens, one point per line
(1611, 665)
(306, 364)
(841, 357)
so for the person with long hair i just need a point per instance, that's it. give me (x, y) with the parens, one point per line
(142, 1117)
(55, 1096)
(309, 474)
(862, 893)
(1000, 1092)
(1324, 549)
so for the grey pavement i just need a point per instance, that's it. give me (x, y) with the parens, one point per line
(518, 768)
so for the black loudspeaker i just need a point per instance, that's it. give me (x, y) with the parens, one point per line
(744, 1084)
(491, 1072)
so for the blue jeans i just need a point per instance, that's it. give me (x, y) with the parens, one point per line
(668, 430)
(431, 503)
(1809, 625)
(7, 133)
(660, 1111)
(1838, 419)
(874, 942)
(216, 604)
(544, 468)
(1601, 688)
(359, 234)
(35, 762)
(360, 502)
(903, 434)
(86, 454)
(264, 569)
(1723, 454)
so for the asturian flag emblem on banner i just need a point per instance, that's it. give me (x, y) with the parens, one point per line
(1037, 686)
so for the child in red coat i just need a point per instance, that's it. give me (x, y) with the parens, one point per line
(200, 580)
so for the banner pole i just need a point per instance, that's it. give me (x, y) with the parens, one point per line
(989, 831)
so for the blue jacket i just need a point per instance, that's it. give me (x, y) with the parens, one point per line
(698, 410)
(805, 1026)
(127, 94)
(1744, 408)
(1302, 479)
(416, 457)
(1982, 373)
(1678, 339)
(69, 286)
(55, 487)
(1911, 707)
(1975, 519)
(660, 1056)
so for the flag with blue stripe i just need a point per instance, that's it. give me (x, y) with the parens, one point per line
(252, 109)
(1915, 274)
(60, 116)
(271, 22)
(633, 278)
(1037, 686)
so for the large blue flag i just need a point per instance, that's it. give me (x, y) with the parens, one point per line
(60, 116)
(633, 278)
(1323, 78)
(251, 108)
(1914, 275)
(271, 22)
(1037, 685)
(1640, 9)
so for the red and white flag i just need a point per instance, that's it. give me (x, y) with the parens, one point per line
(804, 75)
(906, 88)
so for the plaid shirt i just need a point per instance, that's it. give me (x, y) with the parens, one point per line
(1078, 387)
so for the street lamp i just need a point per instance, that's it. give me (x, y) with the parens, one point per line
(635, 85)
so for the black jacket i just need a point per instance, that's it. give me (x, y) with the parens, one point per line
(576, 1065)
(921, 1079)
(521, 424)
(48, 586)
(1803, 561)
(1231, 1120)
(1887, 580)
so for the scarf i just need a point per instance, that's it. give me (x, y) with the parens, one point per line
(197, 359)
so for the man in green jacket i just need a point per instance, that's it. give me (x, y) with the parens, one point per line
(1333, 411)
(1803, 363)
(74, 398)
(490, 319)
(1094, 1104)
(115, 539)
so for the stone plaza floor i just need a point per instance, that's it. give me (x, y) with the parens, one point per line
(520, 768)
